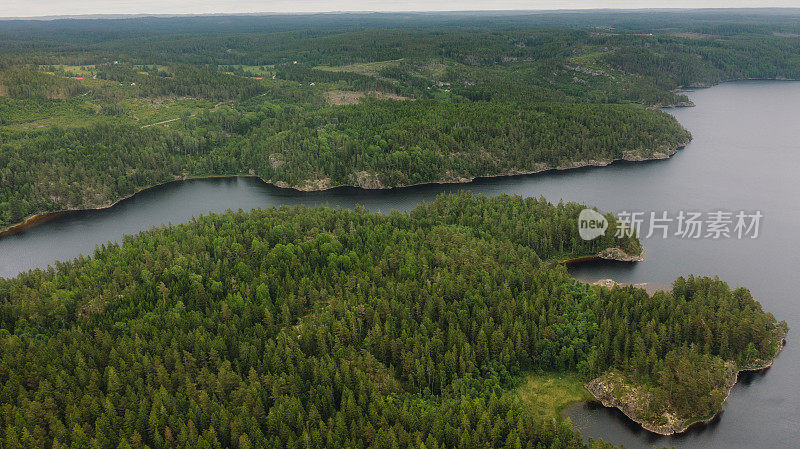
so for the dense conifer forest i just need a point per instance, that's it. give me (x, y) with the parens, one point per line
(312, 327)
(93, 110)
(300, 327)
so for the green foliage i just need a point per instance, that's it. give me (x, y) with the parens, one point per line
(547, 394)
(293, 327)
(497, 95)
(184, 81)
(56, 168)
(318, 328)
(399, 143)
(422, 141)
(693, 384)
(21, 83)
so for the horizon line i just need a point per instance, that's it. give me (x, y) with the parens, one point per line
(121, 16)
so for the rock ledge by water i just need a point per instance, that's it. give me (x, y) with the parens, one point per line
(612, 390)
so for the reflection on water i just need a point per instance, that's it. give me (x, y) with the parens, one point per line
(594, 420)
(587, 416)
(75, 233)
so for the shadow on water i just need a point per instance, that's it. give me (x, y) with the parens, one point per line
(378, 200)
(589, 271)
(609, 423)
(581, 414)
(343, 196)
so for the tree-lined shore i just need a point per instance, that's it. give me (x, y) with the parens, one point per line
(294, 326)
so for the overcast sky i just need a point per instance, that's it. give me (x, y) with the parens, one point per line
(28, 8)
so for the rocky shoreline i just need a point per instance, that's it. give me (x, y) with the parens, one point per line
(366, 181)
(37, 219)
(614, 254)
(619, 255)
(649, 287)
(605, 390)
(369, 181)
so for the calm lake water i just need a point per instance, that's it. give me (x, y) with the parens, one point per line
(745, 156)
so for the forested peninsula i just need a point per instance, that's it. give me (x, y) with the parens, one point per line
(452, 325)
(312, 327)
(93, 111)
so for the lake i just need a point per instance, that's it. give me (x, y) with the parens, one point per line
(745, 156)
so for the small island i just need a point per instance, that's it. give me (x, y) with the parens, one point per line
(671, 402)
(649, 405)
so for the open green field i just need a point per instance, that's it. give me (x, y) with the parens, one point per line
(366, 68)
(545, 395)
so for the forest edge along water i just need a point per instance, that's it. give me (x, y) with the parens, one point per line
(752, 411)
(36, 219)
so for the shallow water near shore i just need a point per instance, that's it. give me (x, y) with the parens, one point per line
(745, 156)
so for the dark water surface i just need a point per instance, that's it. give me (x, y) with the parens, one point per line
(745, 156)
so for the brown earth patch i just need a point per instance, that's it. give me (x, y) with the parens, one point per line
(343, 97)
(316, 184)
(692, 35)
(276, 160)
(368, 180)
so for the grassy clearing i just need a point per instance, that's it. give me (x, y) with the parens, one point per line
(588, 58)
(262, 71)
(36, 113)
(545, 395)
(69, 70)
(366, 68)
(344, 97)
(152, 110)
(84, 110)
